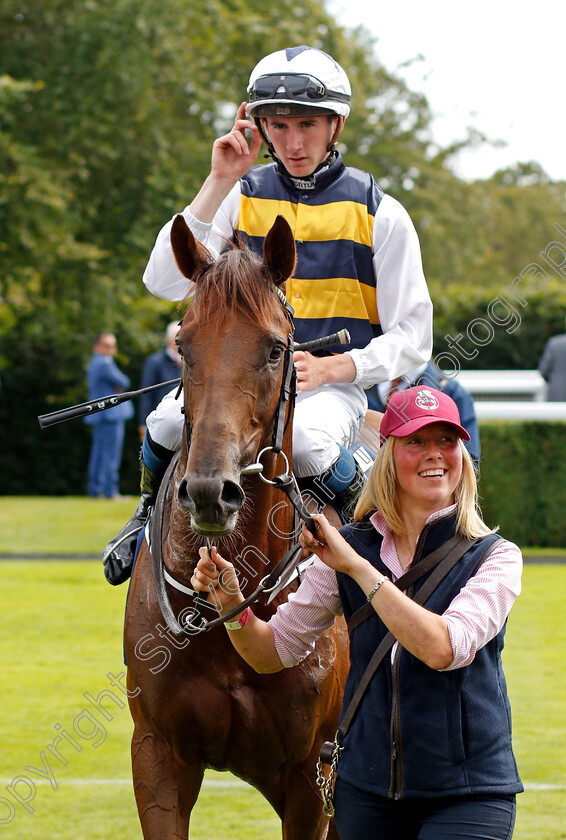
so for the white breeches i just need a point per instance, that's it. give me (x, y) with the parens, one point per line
(324, 418)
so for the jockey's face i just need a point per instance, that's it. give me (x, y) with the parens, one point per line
(301, 143)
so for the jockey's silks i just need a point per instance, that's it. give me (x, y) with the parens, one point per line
(333, 286)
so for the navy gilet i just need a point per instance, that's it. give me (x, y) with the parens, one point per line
(420, 732)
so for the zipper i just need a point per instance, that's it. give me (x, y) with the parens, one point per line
(396, 773)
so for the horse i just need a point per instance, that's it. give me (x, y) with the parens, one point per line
(195, 703)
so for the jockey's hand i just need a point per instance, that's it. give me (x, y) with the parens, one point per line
(232, 154)
(314, 371)
(218, 578)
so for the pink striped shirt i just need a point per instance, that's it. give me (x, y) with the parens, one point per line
(474, 617)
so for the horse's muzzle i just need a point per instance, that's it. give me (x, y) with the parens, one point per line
(212, 502)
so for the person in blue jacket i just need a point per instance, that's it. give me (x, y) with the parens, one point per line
(428, 754)
(159, 367)
(103, 378)
(430, 375)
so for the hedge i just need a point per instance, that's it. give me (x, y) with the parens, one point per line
(522, 486)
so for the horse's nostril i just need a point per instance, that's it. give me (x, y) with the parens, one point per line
(184, 497)
(232, 496)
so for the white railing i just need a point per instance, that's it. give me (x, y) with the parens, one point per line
(503, 384)
(511, 395)
(545, 412)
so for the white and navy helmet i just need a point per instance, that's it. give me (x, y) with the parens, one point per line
(298, 80)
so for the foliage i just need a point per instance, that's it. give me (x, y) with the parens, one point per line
(522, 481)
(503, 331)
(108, 111)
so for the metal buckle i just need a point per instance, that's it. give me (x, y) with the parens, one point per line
(270, 449)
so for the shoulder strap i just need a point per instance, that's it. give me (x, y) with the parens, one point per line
(443, 568)
(410, 577)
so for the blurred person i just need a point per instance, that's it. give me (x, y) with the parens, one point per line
(159, 367)
(552, 367)
(108, 427)
(430, 375)
(429, 752)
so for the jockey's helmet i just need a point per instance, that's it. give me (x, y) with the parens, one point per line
(298, 81)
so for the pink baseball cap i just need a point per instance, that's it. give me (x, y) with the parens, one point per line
(418, 406)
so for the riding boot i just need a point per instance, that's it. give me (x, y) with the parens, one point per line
(340, 485)
(119, 554)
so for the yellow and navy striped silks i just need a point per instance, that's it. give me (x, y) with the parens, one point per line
(333, 286)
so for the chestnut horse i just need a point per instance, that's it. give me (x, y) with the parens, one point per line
(195, 703)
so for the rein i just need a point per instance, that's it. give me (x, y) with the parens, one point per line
(272, 583)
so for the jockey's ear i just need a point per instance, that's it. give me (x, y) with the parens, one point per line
(279, 253)
(189, 254)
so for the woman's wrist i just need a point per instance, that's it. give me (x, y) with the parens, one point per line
(238, 622)
(224, 609)
(376, 587)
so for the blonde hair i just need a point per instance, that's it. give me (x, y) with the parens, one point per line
(380, 493)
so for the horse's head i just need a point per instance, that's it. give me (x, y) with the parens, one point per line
(233, 341)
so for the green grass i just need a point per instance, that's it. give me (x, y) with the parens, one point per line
(60, 525)
(60, 636)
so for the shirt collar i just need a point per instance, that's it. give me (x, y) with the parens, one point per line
(382, 528)
(388, 550)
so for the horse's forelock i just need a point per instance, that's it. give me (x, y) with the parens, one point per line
(235, 282)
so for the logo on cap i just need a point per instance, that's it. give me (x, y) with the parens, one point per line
(425, 399)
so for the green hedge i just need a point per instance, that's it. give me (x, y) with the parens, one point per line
(522, 486)
(494, 329)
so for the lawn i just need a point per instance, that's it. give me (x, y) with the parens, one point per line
(61, 646)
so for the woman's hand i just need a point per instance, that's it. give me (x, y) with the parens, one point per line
(218, 578)
(331, 547)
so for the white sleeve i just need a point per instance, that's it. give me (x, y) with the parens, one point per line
(161, 276)
(403, 300)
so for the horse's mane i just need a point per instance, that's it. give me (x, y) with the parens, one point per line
(236, 282)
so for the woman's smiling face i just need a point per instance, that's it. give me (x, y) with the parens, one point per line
(428, 465)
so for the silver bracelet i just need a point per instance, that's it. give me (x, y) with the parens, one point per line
(375, 588)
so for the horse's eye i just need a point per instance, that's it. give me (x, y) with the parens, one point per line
(276, 353)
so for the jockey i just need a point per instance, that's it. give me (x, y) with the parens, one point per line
(358, 267)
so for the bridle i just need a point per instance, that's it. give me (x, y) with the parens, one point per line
(288, 383)
(281, 574)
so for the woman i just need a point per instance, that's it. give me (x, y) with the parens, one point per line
(428, 754)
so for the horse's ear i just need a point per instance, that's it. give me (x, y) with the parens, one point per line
(189, 254)
(279, 253)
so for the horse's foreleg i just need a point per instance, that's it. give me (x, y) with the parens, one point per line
(302, 815)
(166, 789)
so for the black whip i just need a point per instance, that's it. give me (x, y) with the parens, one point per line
(102, 403)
